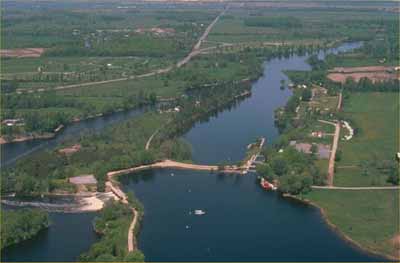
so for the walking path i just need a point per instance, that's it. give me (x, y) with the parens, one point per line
(147, 147)
(121, 196)
(131, 234)
(177, 165)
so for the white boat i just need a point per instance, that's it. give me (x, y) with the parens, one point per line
(199, 212)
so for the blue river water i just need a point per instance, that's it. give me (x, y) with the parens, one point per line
(242, 222)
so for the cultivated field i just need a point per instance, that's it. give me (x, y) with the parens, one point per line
(21, 53)
(375, 117)
(374, 73)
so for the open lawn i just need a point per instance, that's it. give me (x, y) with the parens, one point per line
(369, 217)
(375, 118)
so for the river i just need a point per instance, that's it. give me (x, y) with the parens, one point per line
(11, 152)
(242, 222)
(68, 236)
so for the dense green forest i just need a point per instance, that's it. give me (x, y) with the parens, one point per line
(294, 170)
(22, 224)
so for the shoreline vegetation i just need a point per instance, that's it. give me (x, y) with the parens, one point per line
(18, 226)
(367, 218)
(208, 84)
(197, 105)
(324, 214)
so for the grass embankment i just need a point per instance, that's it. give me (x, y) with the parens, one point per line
(368, 217)
(375, 118)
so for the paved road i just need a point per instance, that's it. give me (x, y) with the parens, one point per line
(194, 52)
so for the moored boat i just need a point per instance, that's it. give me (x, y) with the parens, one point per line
(267, 185)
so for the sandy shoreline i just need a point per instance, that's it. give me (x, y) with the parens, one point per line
(86, 202)
(337, 230)
(95, 202)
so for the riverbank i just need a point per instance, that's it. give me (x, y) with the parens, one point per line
(24, 138)
(115, 142)
(21, 225)
(78, 203)
(339, 230)
(56, 131)
(368, 218)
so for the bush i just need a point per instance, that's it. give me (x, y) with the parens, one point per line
(295, 184)
(134, 256)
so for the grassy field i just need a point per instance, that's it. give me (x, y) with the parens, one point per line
(127, 88)
(376, 119)
(85, 44)
(130, 65)
(368, 217)
(357, 59)
(310, 24)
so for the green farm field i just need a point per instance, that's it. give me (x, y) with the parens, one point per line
(368, 217)
(375, 116)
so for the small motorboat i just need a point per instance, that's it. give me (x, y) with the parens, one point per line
(267, 185)
(199, 212)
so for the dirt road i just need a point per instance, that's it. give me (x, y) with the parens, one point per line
(339, 105)
(131, 234)
(357, 188)
(147, 147)
(331, 166)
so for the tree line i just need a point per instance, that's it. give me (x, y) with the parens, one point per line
(22, 224)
